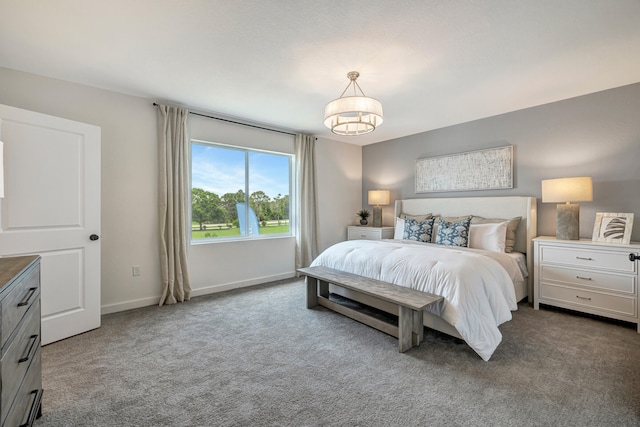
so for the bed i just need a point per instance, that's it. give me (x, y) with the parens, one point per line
(480, 287)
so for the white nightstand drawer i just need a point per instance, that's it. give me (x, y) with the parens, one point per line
(610, 260)
(363, 233)
(589, 278)
(579, 298)
(369, 233)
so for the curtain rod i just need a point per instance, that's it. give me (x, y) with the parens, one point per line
(236, 123)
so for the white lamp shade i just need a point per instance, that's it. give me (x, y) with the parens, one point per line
(353, 115)
(564, 190)
(379, 197)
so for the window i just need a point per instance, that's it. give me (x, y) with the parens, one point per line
(225, 180)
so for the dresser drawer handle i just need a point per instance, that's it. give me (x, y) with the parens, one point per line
(34, 340)
(584, 278)
(25, 300)
(34, 408)
(584, 258)
(584, 298)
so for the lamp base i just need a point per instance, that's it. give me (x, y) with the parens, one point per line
(377, 216)
(568, 221)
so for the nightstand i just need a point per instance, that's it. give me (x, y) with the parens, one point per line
(586, 276)
(359, 232)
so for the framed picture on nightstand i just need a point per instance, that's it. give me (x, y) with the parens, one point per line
(613, 227)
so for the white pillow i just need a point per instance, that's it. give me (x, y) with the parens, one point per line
(490, 237)
(399, 231)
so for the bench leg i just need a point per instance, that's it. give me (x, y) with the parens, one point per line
(324, 288)
(418, 328)
(405, 329)
(312, 292)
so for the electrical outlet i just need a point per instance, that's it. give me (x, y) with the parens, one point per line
(136, 270)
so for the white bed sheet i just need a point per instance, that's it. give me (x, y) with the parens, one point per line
(477, 285)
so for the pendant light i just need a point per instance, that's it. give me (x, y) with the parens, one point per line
(353, 114)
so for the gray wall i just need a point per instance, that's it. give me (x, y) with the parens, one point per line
(595, 135)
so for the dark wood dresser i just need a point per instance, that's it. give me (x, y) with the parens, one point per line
(20, 366)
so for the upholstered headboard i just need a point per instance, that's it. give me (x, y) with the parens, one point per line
(489, 207)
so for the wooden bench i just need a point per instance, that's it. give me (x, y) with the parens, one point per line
(410, 302)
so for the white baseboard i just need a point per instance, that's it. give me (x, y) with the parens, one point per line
(145, 302)
(243, 284)
(129, 305)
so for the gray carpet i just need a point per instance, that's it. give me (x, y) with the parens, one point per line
(258, 357)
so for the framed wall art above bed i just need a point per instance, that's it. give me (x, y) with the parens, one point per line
(489, 169)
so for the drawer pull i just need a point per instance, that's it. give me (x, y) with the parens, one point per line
(584, 258)
(25, 300)
(584, 278)
(34, 408)
(584, 298)
(34, 340)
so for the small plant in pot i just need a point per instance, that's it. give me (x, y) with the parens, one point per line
(363, 214)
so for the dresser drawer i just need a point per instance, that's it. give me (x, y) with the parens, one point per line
(19, 354)
(589, 278)
(603, 303)
(609, 260)
(18, 301)
(26, 405)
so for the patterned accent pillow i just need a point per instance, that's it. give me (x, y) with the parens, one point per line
(453, 233)
(419, 231)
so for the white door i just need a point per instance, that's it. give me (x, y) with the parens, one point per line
(52, 208)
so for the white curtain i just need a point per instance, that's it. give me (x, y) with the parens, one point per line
(306, 201)
(173, 202)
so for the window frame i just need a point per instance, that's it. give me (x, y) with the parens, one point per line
(246, 151)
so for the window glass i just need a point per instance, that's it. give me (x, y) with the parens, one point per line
(225, 180)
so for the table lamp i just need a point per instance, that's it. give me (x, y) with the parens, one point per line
(378, 198)
(563, 191)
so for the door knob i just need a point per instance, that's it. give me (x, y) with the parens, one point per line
(94, 237)
(633, 257)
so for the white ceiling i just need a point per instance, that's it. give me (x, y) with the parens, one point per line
(432, 63)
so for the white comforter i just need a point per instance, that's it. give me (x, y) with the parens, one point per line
(477, 285)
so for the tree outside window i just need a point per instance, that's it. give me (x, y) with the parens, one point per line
(226, 179)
